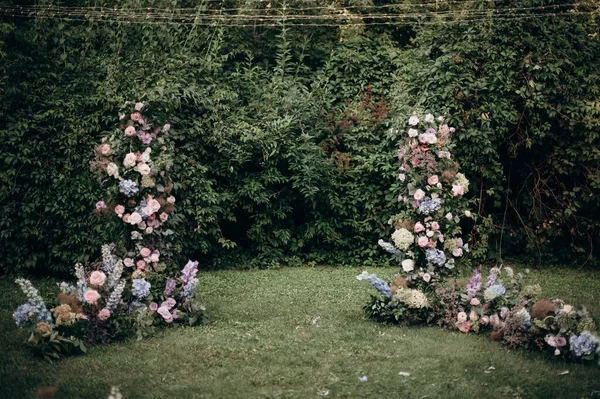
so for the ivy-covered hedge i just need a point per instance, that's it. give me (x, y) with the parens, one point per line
(287, 136)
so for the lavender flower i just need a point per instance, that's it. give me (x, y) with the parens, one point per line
(583, 344)
(35, 301)
(430, 205)
(379, 284)
(492, 277)
(141, 288)
(189, 271)
(389, 247)
(170, 287)
(474, 284)
(128, 187)
(435, 256)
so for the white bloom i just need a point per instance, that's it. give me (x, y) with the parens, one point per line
(429, 233)
(408, 265)
(403, 239)
(428, 138)
(166, 128)
(429, 118)
(413, 120)
(145, 157)
(139, 106)
(130, 160)
(419, 195)
(449, 216)
(135, 218)
(402, 176)
(112, 170)
(413, 132)
(143, 169)
(121, 116)
(427, 277)
(468, 214)
(450, 264)
(443, 154)
(439, 185)
(440, 118)
(363, 276)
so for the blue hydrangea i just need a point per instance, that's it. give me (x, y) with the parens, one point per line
(435, 256)
(23, 315)
(584, 344)
(430, 205)
(141, 288)
(128, 187)
(379, 284)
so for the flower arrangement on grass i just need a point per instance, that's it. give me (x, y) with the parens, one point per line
(427, 244)
(135, 276)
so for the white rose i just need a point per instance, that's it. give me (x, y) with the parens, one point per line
(429, 118)
(439, 185)
(427, 277)
(468, 214)
(413, 132)
(429, 233)
(145, 157)
(130, 160)
(143, 169)
(402, 176)
(408, 265)
(413, 120)
(440, 118)
(135, 218)
(112, 169)
(139, 106)
(449, 216)
(419, 195)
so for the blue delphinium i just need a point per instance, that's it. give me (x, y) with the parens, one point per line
(67, 288)
(189, 289)
(389, 247)
(430, 205)
(583, 344)
(435, 256)
(35, 301)
(141, 288)
(23, 315)
(379, 284)
(128, 187)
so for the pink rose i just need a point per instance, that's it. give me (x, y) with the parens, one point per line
(91, 296)
(154, 258)
(433, 180)
(97, 278)
(166, 315)
(134, 218)
(475, 302)
(419, 195)
(164, 217)
(136, 117)
(128, 262)
(560, 341)
(145, 252)
(153, 306)
(422, 242)
(419, 227)
(119, 210)
(141, 265)
(435, 226)
(147, 210)
(169, 303)
(105, 149)
(457, 190)
(473, 316)
(464, 327)
(130, 131)
(103, 314)
(461, 317)
(126, 218)
(154, 204)
(143, 169)
(129, 160)
(171, 200)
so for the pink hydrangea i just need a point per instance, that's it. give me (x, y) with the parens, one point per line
(97, 278)
(433, 180)
(91, 296)
(104, 314)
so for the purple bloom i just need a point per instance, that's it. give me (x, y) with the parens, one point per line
(169, 303)
(153, 306)
(170, 286)
(100, 205)
(474, 284)
(584, 344)
(435, 256)
(141, 288)
(491, 280)
(189, 271)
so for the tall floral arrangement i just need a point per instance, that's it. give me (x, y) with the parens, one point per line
(135, 283)
(427, 243)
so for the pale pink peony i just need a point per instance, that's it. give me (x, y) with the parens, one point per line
(129, 160)
(134, 218)
(136, 117)
(97, 278)
(154, 204)
(457, 190)
(104, 314)
(145, 252)
(475, 302)
(461, 317)
(433, 180)
(166, 315)
(105, 149)
(128, 262)
(164, 217)
(141, 265)
(130, 131)
(464, 327)
(419, 227)
(419, 195)
(91, 296)
(422, 242)
(166, 128)
(138, 106)
(154, 258)
(119, 210)
(143, 169)
(435, 226)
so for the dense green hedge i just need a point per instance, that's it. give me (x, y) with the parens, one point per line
(284, 140)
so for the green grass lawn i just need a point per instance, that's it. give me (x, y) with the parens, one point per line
(301, 333)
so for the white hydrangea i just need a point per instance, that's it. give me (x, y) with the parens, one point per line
(414, 299)
(403, 239)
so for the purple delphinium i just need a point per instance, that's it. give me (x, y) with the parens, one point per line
(493, 276)
(189, 271)
(474, 284)
(189, 289)
(170, 286)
